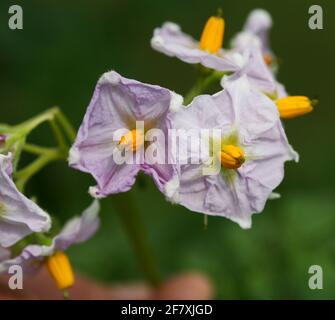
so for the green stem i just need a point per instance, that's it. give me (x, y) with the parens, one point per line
(134, 227)
(66, 295)
(67, 126)
(26, 127)
(50, 115)
(46, 155)
(202, 84)
(18, 150)
(21, 131)
(58, 135)
(4, 128)
(35, 149)
(23, 176)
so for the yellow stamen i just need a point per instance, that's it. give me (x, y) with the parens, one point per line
(134, 139)
(60, 269)
(294, 106)
(232, 157)
(212, 35)
(268, 59)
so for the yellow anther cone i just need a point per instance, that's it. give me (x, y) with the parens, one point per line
(60, 269)
(294, 106)
(268, 59)
(212, 35)
(133, 139)
(232, 157)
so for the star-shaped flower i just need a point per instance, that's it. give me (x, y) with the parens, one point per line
(249, 148)
(111, 130)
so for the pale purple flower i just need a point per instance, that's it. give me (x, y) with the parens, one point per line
(258, 74)
(117, 104)
(170, 40)
(248, 117)
(19, 216)
(4, 254)
(255, 32)
(77, 230)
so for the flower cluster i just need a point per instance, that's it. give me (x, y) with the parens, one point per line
(50, 250)
(28, 236)
(220, 154)
(242, 160)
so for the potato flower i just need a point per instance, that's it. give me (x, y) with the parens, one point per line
(110, 133)
(245, 155)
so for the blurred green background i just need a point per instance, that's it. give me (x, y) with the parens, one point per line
(56, 60)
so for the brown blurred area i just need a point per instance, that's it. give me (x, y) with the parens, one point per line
(188, 286)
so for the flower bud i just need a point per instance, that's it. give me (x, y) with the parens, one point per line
(61, 271)
(232, 157)
(294, 106)
(212, 35)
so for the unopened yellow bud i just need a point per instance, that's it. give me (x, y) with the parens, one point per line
(232, 157)
(60, 269)
(212, 35)
(134, 139)
(294, 106)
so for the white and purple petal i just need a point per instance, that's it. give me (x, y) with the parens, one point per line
(19, 216)
(170, 40)
(255, 33)
(117, 104)
(241, 108)
(77, 230)
(258, 74)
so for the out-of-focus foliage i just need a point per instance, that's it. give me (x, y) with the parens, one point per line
(66, 45)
